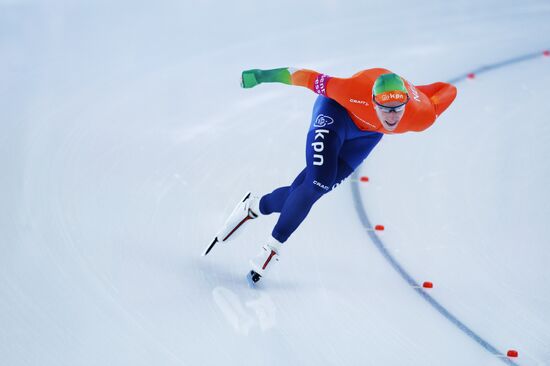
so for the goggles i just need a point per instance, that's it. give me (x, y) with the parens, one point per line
(396, 109)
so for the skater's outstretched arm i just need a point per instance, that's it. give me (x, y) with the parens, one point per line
(310, 79)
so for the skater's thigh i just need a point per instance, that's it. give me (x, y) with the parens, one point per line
(326, 135)
(322, 152)
(353, 152)
(343, 171)
(299, 179)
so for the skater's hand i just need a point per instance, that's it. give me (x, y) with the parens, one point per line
(251, 78)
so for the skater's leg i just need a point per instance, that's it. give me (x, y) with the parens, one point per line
(296, 209)
(320, 175)
(324, 140)
(353, 152)
(274, 201)
(356, 150)
(327, 116)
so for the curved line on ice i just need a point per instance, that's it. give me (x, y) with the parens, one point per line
(362, 213)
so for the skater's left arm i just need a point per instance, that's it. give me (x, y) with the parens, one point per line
(439, 97)
(440, 94)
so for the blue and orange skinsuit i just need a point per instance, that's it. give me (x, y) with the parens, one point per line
(343, 131)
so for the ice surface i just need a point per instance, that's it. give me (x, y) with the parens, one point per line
(125, 141)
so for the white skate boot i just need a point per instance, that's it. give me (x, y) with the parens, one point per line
(247, 209)
(269, 254)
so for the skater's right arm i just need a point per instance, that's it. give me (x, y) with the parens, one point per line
(310, 79)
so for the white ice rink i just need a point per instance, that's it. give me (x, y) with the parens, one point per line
(125, 141)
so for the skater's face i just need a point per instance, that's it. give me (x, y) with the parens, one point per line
(390, 117)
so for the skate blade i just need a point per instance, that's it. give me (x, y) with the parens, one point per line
(234, 233)
(209, 248)
(226, 234)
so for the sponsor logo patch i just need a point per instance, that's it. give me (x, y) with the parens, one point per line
(320, 84)
(323, 120)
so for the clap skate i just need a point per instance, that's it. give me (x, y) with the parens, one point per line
(247, 209)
